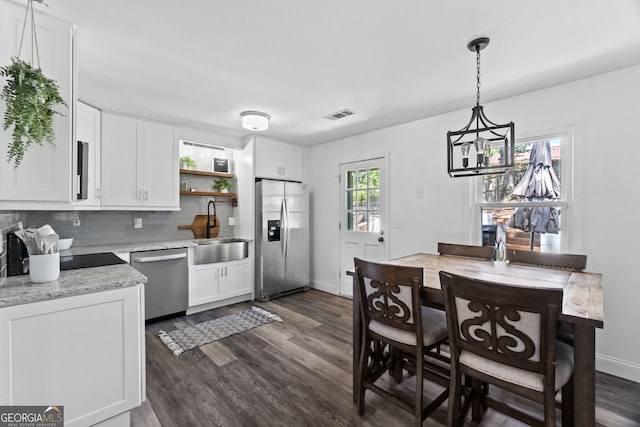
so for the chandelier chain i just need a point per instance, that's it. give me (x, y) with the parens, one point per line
(478, 74)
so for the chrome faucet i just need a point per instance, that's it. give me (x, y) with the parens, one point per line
(209, 225)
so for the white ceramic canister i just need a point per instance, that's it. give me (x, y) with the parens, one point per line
(44, 268)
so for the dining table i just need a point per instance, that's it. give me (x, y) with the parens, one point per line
(582, 309)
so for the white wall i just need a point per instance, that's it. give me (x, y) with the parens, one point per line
(602, 111)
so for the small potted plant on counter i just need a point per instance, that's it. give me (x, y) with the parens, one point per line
(187, 162)
(222, 185)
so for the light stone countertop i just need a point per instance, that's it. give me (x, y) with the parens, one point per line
(20, 290)
(129, 247)
(138, 246)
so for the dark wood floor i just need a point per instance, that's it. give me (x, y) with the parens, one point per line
(298, 373)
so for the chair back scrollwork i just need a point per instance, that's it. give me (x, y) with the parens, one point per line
(390, 296)
(507, 324)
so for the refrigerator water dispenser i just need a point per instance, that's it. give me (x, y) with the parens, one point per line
(273, 230)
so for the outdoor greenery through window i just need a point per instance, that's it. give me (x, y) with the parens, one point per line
(521, 208)
(363, 200)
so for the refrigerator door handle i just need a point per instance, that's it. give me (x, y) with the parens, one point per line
(283, 236)
(285, 227)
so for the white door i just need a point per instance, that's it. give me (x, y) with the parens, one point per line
(364, 208)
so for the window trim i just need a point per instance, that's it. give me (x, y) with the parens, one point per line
(570, 222)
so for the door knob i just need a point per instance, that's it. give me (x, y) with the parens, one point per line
(380, 239)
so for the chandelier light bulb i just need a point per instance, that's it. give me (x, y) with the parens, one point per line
(466, 147)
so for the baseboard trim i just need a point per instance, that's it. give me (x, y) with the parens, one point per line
(217, 304)
(324, 287)
(618, 367)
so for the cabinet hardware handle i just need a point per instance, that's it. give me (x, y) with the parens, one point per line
(139, 196)
(146, 194)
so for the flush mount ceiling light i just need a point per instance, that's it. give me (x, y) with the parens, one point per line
(255, 120)
(493, 143)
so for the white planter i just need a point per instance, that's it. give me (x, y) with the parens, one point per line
(44, 268)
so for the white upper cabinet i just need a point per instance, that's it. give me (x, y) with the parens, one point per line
(139, 164)
(277, 160)
(88, 131)
(45, 174)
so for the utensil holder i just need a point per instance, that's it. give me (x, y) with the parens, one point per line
(44, 268)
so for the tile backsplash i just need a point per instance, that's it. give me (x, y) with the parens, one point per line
(8, 222)
(112, 227)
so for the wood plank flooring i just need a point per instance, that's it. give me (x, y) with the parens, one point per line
(298, 373)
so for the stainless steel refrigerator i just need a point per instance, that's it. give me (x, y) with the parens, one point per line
(282, 238)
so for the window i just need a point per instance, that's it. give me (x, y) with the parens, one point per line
(363, 200)
(525, 204)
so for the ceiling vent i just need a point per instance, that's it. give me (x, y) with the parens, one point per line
(340, 115)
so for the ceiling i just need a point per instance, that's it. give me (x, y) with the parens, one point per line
(201, 63)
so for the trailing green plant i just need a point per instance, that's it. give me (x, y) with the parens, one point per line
(30, 97)
(221, 184)
(187, 162)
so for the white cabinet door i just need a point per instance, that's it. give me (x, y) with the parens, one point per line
(45, 174)
(88, 130)
(139, 164)
(235, 279)
(219, 281)
(204, 284)
(291, 162)
(121, 152)
(277, 160)
(160, 166)
(84, 352)
(268, 158)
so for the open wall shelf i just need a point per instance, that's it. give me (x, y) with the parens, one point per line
(233, 197)
(206, 173)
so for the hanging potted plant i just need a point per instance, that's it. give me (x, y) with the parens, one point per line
(30, 98)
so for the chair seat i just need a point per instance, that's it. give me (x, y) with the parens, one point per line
(434, 328)
(564, 368)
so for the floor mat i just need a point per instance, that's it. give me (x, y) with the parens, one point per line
(190, 337)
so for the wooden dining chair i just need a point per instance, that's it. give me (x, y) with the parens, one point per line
(547, 259)
(467, 251)
(505, 336)
(394, 322)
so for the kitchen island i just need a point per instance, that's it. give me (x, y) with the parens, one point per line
(76, 342)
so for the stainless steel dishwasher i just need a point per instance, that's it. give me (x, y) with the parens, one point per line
(167, 289)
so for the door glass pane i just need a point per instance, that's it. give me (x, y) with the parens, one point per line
(374, 178)
(351, 199)
(362, 178)
(350, 221)
(374, 200)
(374, 222)
(361, 221)
(351, 179)
(362, 200)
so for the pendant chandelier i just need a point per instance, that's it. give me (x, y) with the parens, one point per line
(492, 143)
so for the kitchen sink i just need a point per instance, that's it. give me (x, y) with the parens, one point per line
(220, 249)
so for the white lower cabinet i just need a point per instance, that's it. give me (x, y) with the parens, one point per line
(84, 352)
(220, 281)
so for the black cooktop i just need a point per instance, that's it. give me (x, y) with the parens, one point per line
(70, 262)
